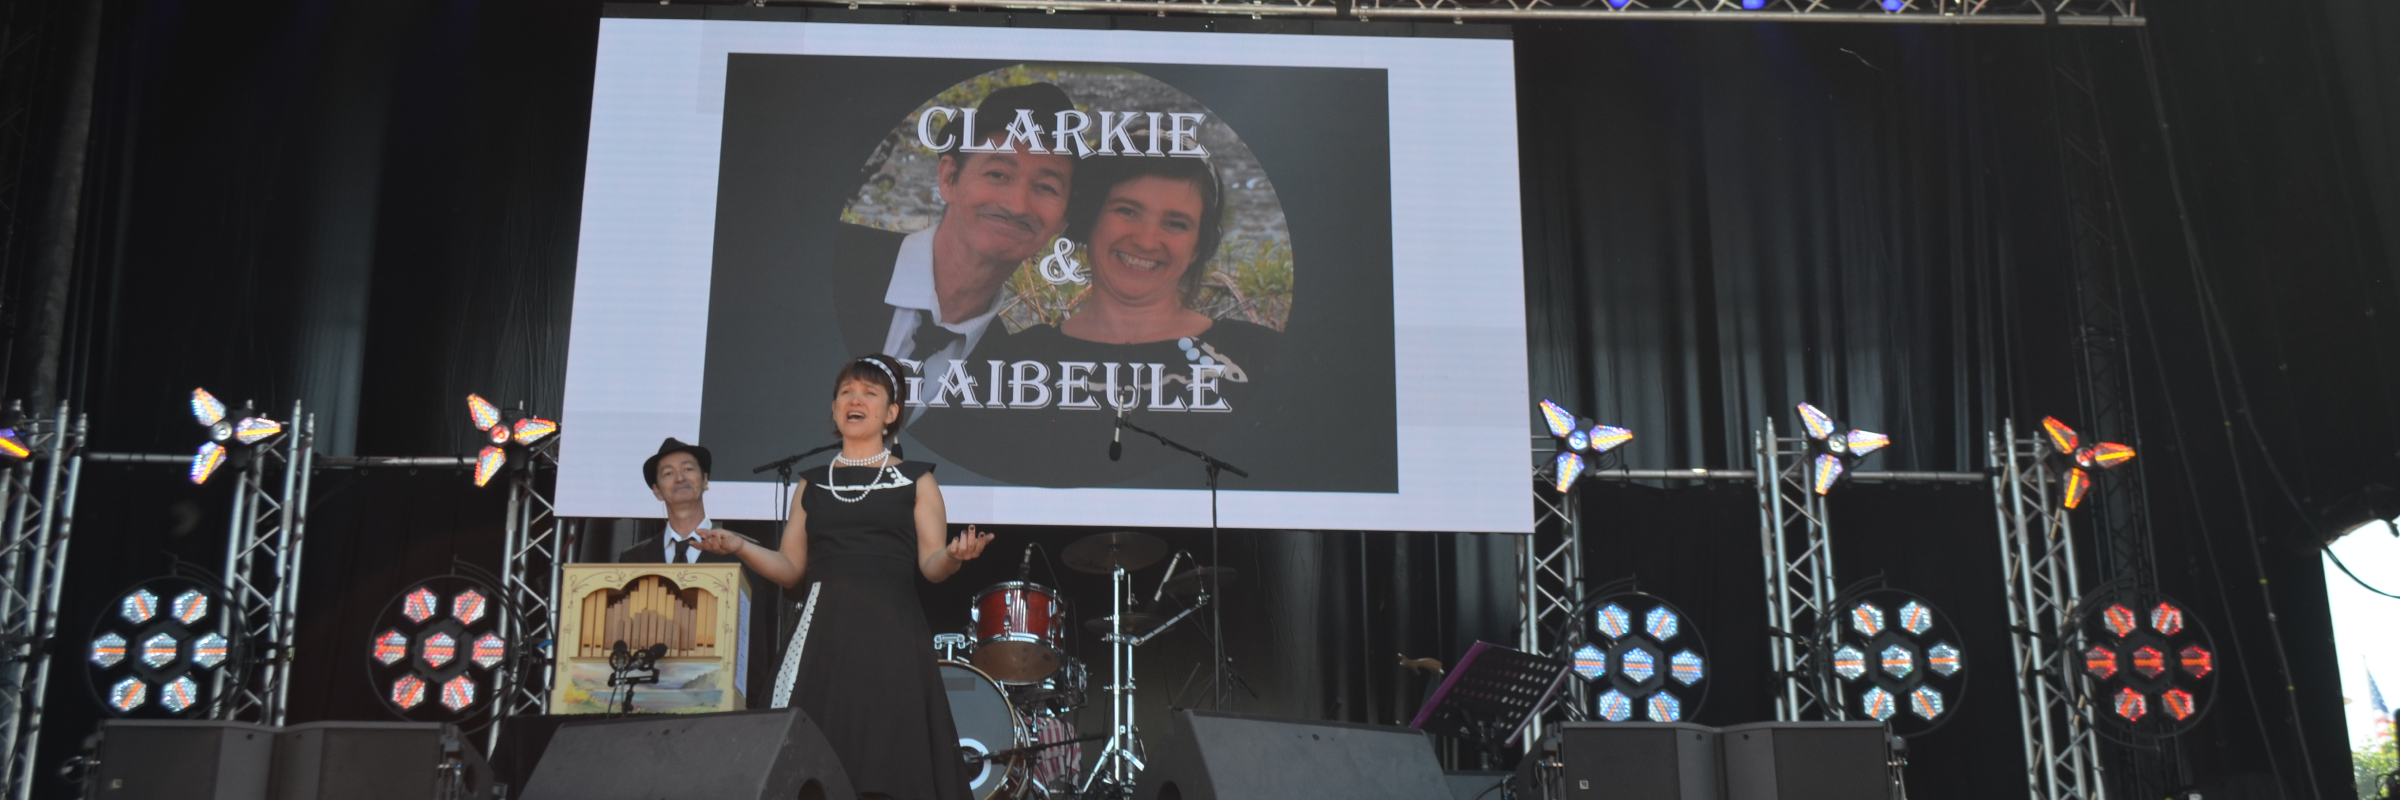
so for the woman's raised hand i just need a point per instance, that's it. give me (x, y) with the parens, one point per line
(720, 542)
(968, 544)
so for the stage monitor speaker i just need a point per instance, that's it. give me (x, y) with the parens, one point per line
(1220, 756)
(143, 759)
(1623, 761)
(1807, 761)
(378, 761)
(733, 755)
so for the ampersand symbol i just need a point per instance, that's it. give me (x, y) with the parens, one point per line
(1060, 265)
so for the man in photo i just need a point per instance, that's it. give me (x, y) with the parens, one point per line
(929, 297)
(678, 477)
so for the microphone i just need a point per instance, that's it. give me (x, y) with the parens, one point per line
(1025, 567)
(651, 655)
(1116, 436)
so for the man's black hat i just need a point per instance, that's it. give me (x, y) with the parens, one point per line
(1000, 107)
(650, 467)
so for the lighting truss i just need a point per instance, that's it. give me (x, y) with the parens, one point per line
(1961, 12)
(533, 550)
(262, 571)
(1550, 580)
(1799, 570)
(38, 493)
(2062, 755)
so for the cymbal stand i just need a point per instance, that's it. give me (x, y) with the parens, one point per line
(1121, 759)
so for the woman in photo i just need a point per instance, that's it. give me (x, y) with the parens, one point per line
(860, 662)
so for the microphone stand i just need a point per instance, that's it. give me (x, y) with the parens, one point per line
(783, 517)
(1216, 619)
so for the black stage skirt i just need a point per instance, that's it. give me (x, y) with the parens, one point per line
(861, 663)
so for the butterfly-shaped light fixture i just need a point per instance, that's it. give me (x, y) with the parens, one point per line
(1834, 450)
(2066, 445)
(1577, 437)
(232, 436)
(503, 431)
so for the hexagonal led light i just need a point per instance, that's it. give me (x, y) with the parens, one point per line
(209, 650)
(1590, 662)
(1926, 702)
(2101, 662)
(2196, 661)
(2167, 619)
(491, 648)
(160, 650)
(1661, 623)
(1876, 703)
(2149, 661)
(1638, 665)
(2119, 619)
(108, 650)
(1664, 707)
(1899, 660)
(1613, 621)
(128, 695)
(1685, 668)
(2131, 705)
(458, 693)
(439, 649)
(391, 647)
(179, 694)
(189, 607)
(2179, 703)
(1849, 663)
(420, 605)
(1867, 619)
(1942, 659)
(1916, 618)
(468, 606)
(138, 607)
(408, 691)
(1614, 706)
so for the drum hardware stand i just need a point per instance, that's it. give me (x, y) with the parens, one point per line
(1121, 759)
(1216, 621)
(949, 644)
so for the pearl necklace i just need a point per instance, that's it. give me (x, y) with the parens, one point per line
(871, 486)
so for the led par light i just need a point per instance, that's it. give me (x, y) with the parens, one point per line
(1646, 658)
(435, 653)
(1580, 443)
(1893, 658)
(158, 650)
(509, 436)
(1833, 451)
(233, 435)
(2146, 662)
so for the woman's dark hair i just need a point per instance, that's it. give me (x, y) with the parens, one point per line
(863, 369)
(1095, 181)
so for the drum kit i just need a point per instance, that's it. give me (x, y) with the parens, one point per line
(1012, 680)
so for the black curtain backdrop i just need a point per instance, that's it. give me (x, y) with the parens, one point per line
(374, 206)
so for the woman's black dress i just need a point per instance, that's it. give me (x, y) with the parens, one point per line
(861, 660)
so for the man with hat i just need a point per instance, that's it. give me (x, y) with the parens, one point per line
(678, 476)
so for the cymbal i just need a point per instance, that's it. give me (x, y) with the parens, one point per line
(1136, 623)
(1190, 582)
(1103, 553)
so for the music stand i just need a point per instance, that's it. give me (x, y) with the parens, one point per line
(1493, 689)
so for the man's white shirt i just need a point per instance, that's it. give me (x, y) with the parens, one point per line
(674, 539)
(912, 291)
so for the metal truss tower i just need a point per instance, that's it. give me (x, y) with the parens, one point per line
(39, 495)
(2037, 551)
(1550, 582)
(262, 572)
(533, 550)
(1794, 544)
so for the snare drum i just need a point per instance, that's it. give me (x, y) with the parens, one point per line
(986, 724)
(1063, 691)
(1017, 630)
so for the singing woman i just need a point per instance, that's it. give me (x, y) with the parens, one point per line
(860, 661)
